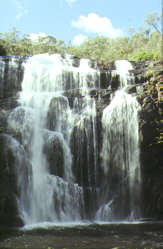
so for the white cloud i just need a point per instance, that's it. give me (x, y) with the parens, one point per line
(70, 2)
(78, 39)
(22, 11)
(98, 25)
(35, 37)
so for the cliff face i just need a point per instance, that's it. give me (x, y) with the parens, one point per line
(151, 138)
(148, 89)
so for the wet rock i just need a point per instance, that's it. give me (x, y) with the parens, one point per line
(75, 62)
(57, 118)
(3, 120)
(131, 89)
(150, 126)
(54, 151)
(105, 79)
(11, 76)
(115, 82)
(9, 181)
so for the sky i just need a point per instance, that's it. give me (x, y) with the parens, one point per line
(75, 20)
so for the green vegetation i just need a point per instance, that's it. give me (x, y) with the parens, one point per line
(14, 43)
(144, 56)
(145, 44)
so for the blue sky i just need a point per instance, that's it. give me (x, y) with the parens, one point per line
(75, 19)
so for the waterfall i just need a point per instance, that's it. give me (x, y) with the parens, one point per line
(120, 153)
(123, 69)
(74, 169)
(45, 124)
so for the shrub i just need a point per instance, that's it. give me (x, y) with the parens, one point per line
(144, 56)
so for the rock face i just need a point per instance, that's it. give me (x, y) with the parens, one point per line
(151, 140)
(11, 74)
(147, 88)
(8, 186)
(11, 158)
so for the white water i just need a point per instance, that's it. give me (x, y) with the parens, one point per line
(50, 198)
(46, 127)
(123, 69)
(120, 151)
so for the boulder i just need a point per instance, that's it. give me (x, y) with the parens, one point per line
(55, 153)
(9, 182)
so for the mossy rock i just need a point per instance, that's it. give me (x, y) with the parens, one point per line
(149, 74)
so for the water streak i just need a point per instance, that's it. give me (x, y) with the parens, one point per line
(120, 153)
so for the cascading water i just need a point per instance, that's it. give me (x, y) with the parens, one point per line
(45, 122)
(120, 197)
(73, 169)
(123, 69)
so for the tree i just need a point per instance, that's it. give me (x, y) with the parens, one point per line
(154, 21)
(138, 45)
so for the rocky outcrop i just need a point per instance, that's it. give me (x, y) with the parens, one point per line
(151, 140)
(11, 74)
(53, 150)
(11, 159)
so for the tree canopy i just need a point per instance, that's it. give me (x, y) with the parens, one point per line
(144, 44)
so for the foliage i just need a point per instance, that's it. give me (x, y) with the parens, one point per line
(14, 44)
(153, 20)
(145, 44)
(144, 56)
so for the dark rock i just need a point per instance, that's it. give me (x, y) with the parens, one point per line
(151, 146)
(105, 78)
(3, 51)
(57, 115)
(76, 62)
(140, 90)
(11, 76)
(93, 92)
(92, 64)
(83, 163)
(3, 120)
(54, 151)
(131, 89)
(115, 82)
(9, 168)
